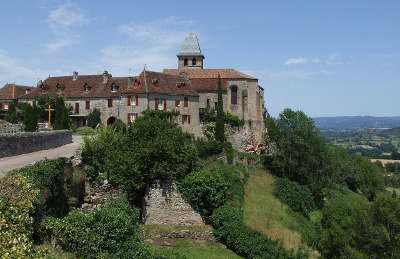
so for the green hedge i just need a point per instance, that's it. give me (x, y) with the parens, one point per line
(249, 243)
(298, 197)
(207, 148)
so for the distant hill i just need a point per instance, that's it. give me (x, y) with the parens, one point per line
(356, 122)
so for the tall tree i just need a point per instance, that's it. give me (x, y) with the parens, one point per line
(219, 127)
(94, 118)
(61, 115)
(30, 118)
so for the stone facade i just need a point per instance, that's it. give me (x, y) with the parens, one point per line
(163, 205)
(26, 142)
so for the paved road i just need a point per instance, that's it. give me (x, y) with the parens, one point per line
(14, 162)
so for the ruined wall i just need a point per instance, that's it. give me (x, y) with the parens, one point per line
(26, 142)
(163, 205)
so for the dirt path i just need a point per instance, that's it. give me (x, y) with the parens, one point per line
(13, 162)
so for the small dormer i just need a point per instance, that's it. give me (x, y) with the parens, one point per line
(86, 88)
(180, 84)
(27, 91)
(154, 81)
(136, 83)
(59, 88)
(106, 76)
(114, 88)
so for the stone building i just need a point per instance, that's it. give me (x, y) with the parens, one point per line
(189, 89)
(11, 92)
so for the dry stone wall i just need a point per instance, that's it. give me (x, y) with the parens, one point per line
(164, 205)
(26, 142)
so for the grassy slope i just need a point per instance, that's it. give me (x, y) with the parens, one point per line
(189, 248)
(264, 212)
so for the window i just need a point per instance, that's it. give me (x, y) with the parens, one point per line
(114, 88)
(162, 105)
(132, 117)
(193, 62)
(156, 104)
(185, 62)
(215, 105)
(136, 103)
(6, 106)
(208, 103)
(76, 108)
(185, 102)
(177, 103)
(234, 94)
(86, 88)
(185, 119)
(87, 105)
(110, 103)
(129, 101)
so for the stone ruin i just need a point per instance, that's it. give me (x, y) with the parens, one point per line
(164, 205)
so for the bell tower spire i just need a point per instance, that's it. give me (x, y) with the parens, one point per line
(190, 55)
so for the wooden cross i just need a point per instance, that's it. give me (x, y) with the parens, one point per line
(49, 110)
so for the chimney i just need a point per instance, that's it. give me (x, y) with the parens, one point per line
(74, 75)
(13, 91)
(106, 75)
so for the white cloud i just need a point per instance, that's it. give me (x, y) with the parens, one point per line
(13, 70)
(315, 60)
(334, 59)
(296, 61)
(153, 44)
(61, 21)
(297, 74)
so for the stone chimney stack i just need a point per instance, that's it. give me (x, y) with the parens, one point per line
(74, 75)
(106, 75)
(13, 91)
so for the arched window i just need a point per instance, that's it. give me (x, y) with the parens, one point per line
(193, 62)
(185, 62)
(234, 94)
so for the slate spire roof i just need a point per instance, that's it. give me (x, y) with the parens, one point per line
(191, 46)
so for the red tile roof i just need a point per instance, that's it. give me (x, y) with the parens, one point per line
(225, 73)
(156, 83)
(13, 91)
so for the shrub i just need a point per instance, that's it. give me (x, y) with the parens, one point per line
(93, 118)
(298, 197)
(209, 189)
(230, 230)
(17, 205)
(30, 118)
(119, 126)
(61, 114)
(111, 230)
(85, 131)
(207, 148)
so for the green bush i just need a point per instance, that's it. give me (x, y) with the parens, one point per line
(85, 131)
(209, 189)
(249, 243)
(119, 126)
(93, 118)
(17, 205)
(61, 114)
(298, 197)
(109, 230)
(207, 148)
(30, 118)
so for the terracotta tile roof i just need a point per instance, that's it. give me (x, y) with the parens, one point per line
(13, 91)
(157, 82)
(225, 73)
(166, 84)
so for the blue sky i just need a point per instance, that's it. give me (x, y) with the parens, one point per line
(336, 58)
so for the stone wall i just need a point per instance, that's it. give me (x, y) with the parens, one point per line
(26, 142)
(163, 205)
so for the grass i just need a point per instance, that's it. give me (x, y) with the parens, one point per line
(187, 247)
(265, 213)
(56, 252)
(391, 189)
(196, 249)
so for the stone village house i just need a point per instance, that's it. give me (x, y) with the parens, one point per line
(11, 92)
(189, 89)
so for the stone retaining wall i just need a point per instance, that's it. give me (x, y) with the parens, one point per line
(163, 205)
(26, 142)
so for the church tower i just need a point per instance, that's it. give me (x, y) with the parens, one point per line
(190, 56)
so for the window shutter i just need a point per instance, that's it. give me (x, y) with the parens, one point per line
(186, 102)
(137, 100)
(156, 104)
(188, 119)
(129, 118)
(165, 104)
(129, 101)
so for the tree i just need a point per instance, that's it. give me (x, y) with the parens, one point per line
(12, 115)
(219, 128)
(61, 114)
(30, 118)
(94, 118)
